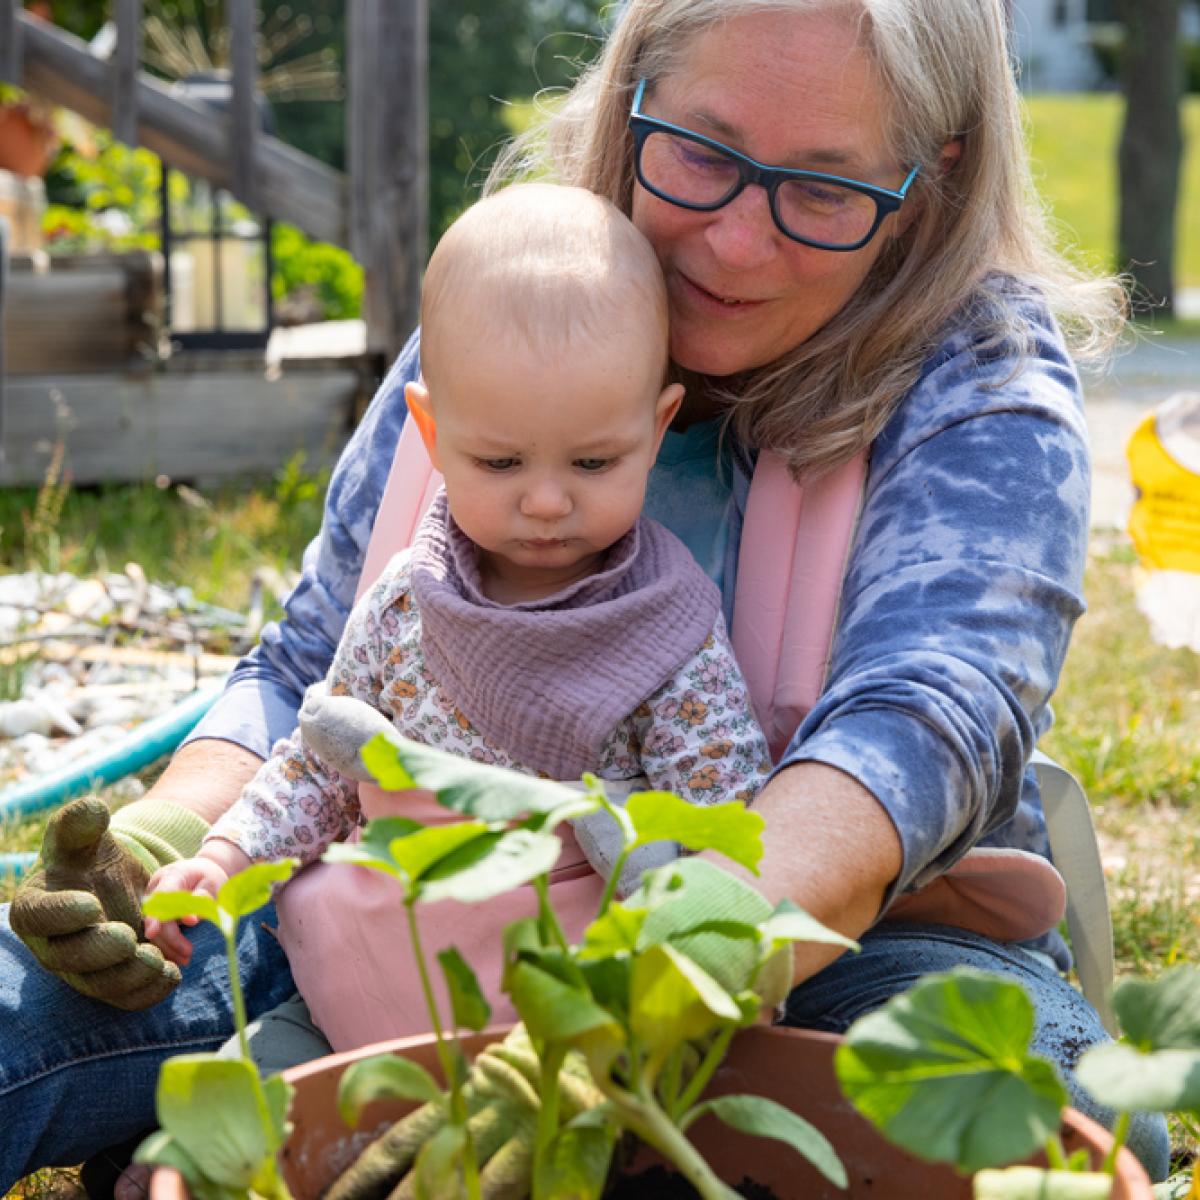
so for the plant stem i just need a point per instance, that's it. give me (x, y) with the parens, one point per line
(458, 1107)
(610, 887)
(1056, 1156)
(1120, 1130)
(552, 1057)
(672, 1081)
(643, 1116)
(278, 1187)
(547, 917)
(713, 1057)
(235, 991)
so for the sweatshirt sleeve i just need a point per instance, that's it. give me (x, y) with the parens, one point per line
(296, 804)
(963, 585)
(260, 701)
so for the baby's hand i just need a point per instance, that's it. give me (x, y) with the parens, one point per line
(200, 875)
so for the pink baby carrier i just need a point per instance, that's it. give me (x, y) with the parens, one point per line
(343, 927)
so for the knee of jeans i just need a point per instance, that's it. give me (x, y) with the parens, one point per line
(1150, 1142)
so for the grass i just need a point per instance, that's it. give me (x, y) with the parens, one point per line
(212, 542)
(1073, 144)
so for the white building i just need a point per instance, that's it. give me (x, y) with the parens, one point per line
(1052, 39)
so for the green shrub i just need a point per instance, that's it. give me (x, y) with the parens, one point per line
(329, 272)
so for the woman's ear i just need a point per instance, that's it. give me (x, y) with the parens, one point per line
(951, 153)
(416, 396)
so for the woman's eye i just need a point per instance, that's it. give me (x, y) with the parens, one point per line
(593, 464)
(498, 464)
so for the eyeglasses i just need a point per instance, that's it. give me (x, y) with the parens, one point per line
(696, 172)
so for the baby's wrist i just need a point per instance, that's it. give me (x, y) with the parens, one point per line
(226, 855)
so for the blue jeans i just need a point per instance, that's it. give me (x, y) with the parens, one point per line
(77, 1076)
(896, 954)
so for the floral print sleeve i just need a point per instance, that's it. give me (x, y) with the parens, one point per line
(296, 805)
(698, 733)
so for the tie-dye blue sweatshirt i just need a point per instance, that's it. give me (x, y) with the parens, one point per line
(961, 591)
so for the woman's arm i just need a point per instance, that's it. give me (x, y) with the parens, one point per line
(830, 847)
(963, 586)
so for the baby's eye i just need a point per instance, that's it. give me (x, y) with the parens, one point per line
(498, 464)
(594, 464)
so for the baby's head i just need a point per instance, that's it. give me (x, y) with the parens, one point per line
(542, 397)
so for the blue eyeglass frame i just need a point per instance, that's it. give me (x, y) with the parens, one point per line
(750, 171)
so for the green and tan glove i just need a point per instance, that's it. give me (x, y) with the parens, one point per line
(79, 909)
(502, 1099)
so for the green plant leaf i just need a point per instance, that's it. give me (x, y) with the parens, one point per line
(360, 854)
(1033, 1183)
(616, 932)
(172, 906)
(1123, 1077)
(382, 1077)
(1163, 1013)
(475, 789)
(162, 1150)
(790, 923)
(710, 916)
(385, 765)
(250, 889)
(210, 1108)
(415, 854)
(381, 832)
(279, 1095)
(944, 1070)
(438, 1169)
(730, 828)
(576, 1162)
(467, 1001)
(765, 1118)
(672, 999)
(553, 1008)
(491, 866)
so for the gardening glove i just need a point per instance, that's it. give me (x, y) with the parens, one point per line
(79, 909)
(503, 1104)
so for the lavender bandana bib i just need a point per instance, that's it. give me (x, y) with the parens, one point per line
(550, 679)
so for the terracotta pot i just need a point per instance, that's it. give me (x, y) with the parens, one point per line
(792, 1066)
(27, 142)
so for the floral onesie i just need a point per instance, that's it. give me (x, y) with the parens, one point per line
(696, 735)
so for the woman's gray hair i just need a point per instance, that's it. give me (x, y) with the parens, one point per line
(979, 239)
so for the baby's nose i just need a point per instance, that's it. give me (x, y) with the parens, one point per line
(546, 501)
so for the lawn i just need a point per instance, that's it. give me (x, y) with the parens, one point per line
(1074, 142)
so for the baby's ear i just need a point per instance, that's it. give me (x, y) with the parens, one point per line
(664, 411)
(416, 396)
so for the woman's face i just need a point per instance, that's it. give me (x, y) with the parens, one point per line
(790, 90)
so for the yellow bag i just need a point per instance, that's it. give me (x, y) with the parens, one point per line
(1164, 462)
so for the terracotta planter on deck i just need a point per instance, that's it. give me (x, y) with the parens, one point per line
(792, 1066)
(27, 141)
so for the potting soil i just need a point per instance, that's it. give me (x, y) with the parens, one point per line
(661, 1183)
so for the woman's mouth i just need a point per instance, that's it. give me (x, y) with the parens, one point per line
(698, 294)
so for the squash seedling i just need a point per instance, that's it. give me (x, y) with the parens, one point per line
(221, 1123)
(645, 1005)
(945, 1071)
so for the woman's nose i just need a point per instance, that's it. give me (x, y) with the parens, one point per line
(546, 500)
(742, 235)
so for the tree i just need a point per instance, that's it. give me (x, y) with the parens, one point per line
(1151, 149)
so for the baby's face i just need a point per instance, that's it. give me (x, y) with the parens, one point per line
(545, 462)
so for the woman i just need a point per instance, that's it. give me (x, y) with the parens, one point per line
(883, 284)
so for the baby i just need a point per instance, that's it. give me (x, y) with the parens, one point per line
(537, 622)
